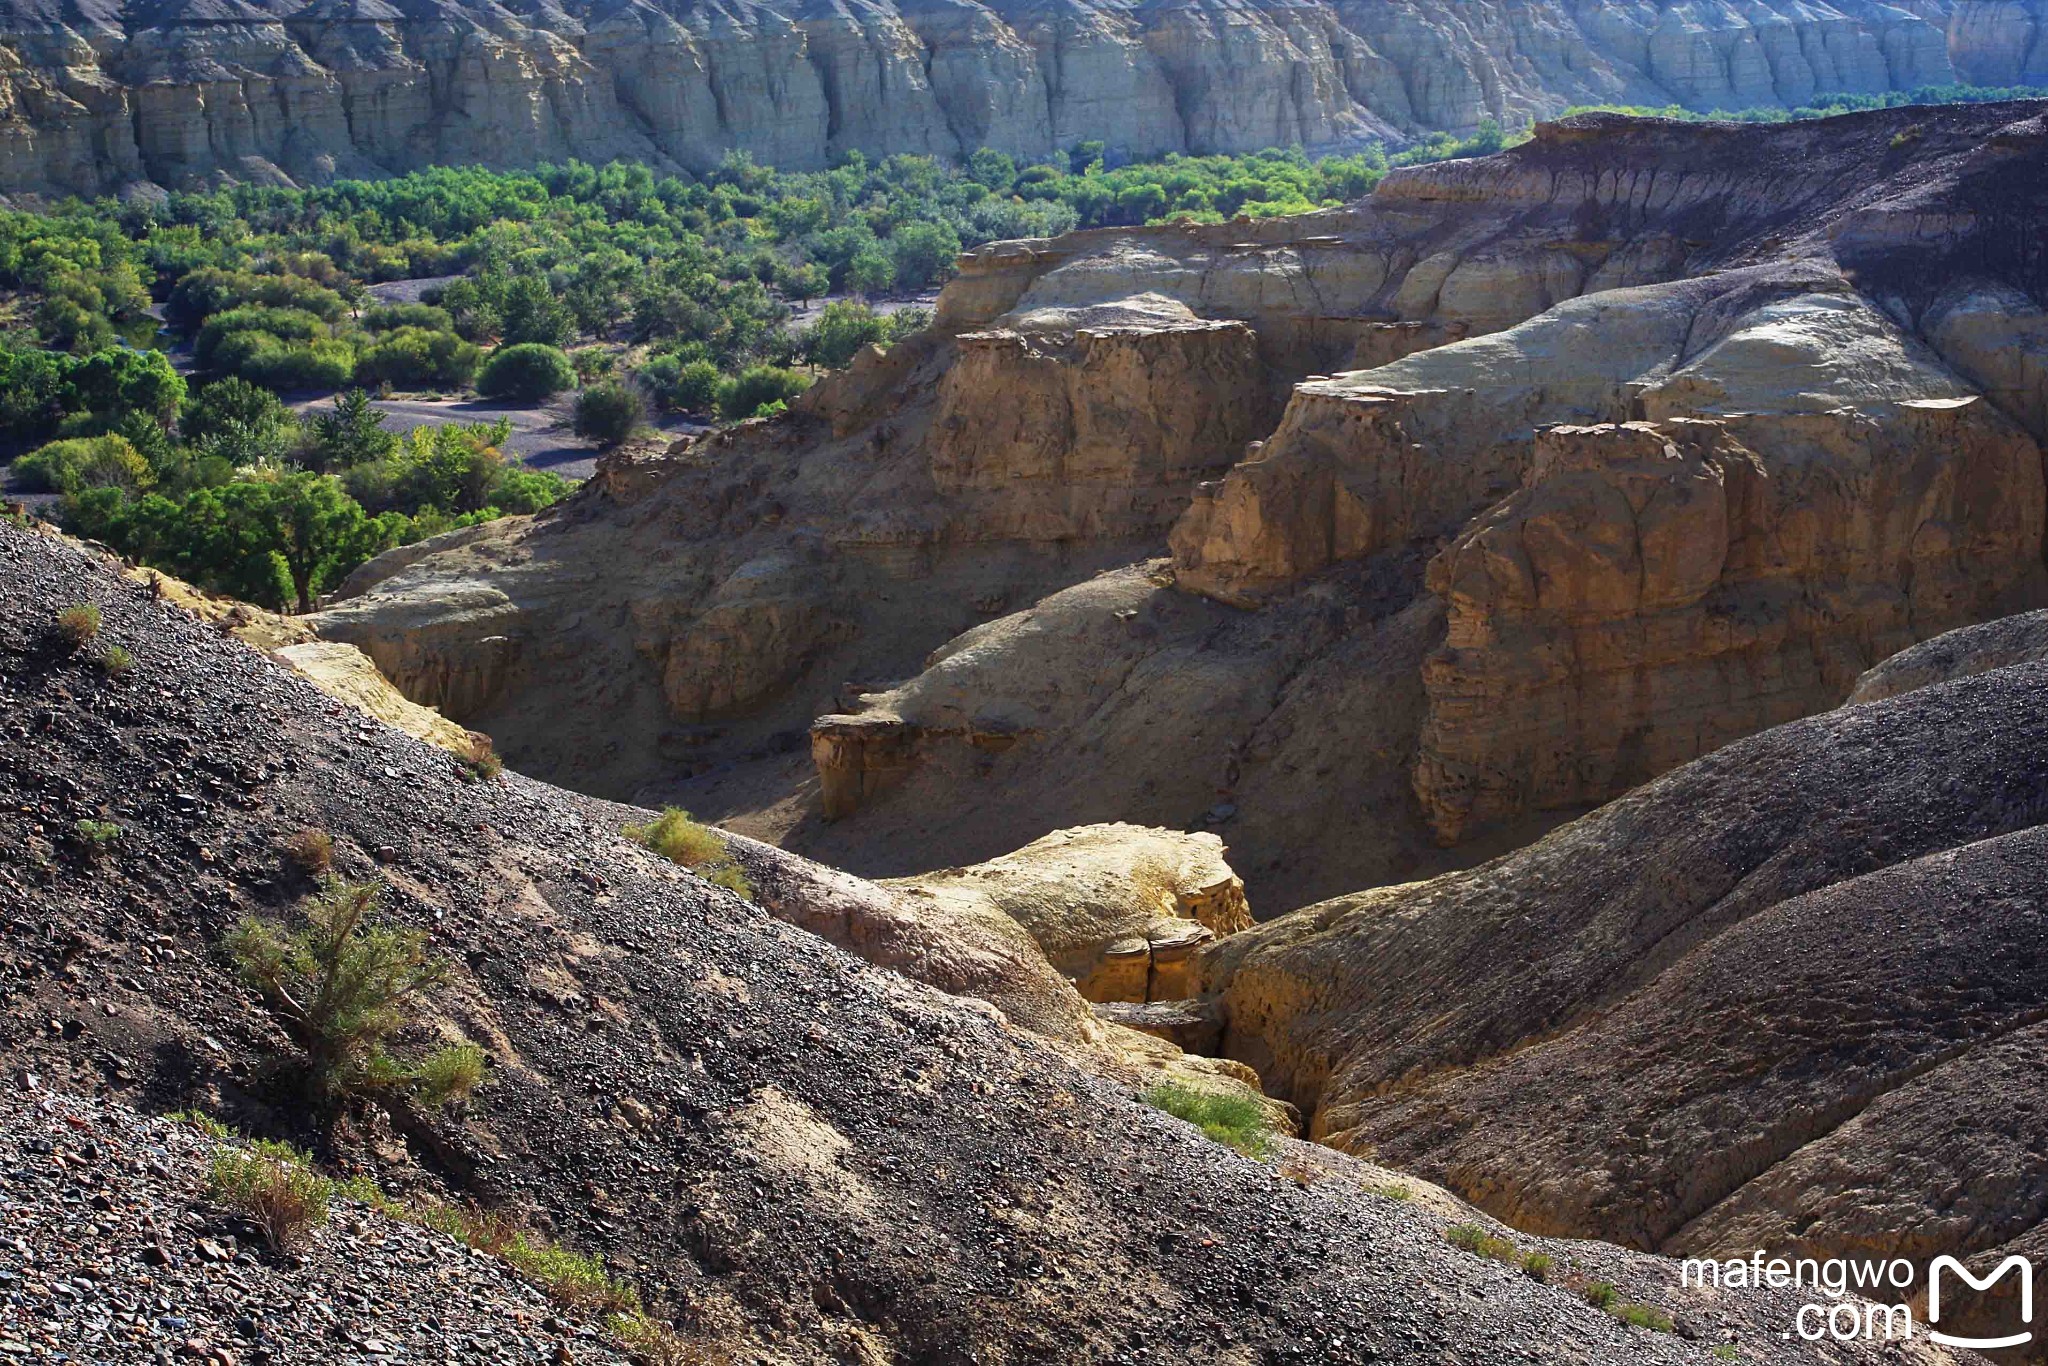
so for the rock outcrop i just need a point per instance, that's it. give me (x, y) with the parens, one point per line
(107, 96)
(1786, 996)
(1120, 910)
(1798, 357)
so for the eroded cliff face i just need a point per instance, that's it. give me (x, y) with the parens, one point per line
(105, 96)
(1582, 460)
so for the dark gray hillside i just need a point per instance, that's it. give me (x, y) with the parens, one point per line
(798, 1156)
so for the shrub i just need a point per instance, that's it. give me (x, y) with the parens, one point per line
(116, 662)
(1537, 1264)
(757, 387)
(607, 413)
(78, 624)
(390, 317)
(309, 850)
(273, 1186)
(279, 324)
(1599, 1294)
(416, 358)
(85, 462)
(680, 839)
(342, 985)
(519, 489)
(687, 387)
(1238, 1121)
(528, 372)
(1479, 1242)
(480, 760)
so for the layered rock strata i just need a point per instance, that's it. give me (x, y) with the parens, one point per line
(949, 553)
(107, 96)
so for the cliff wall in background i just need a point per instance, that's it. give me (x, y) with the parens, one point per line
(101, 96)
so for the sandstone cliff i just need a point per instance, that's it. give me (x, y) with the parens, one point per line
(102, 96)
(1583, 460)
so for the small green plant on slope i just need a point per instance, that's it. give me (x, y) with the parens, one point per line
(1476, 1240)
(480, 759)
(308, 850)
(1238, 1121)
(273, 1186)
(680, 839)
(116, 662)
(96, 839)
(77, 625)
(342, 985)
(1643, 1316)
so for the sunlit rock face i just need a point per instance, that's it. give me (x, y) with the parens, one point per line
(104, 96)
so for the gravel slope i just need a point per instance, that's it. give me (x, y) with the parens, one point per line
(799, 1157)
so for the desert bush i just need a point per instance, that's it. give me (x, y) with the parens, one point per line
(572, 1278)
(685, 386)
(1599, 1294)
(77, 624)
(274, 1187)
(1643, 1316)
(1537, 1264)
(607, 413)
(1237, 1121)
(1476, 1240)
(679, 838)
(342, 985)
(528, 372)
(480, 759)
(309, 850)
(116, 662)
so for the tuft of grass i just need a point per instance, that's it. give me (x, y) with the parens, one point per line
(1537, 1265)
(273, 1186)
(77, 625)
(1399, 1190)
(480, 760)
(680, 838)
(1476, 1240)
(574, 1279)
(448, 1074)
(309, 850)
(1599, 1294)
(116, 662)
(648, 1341)
(1643, 1316)
(1237, 1121)
(203, 1122)
(1725, 1352)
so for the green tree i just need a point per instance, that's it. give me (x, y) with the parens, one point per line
(923, 253)
(529, 311)
(350, 433)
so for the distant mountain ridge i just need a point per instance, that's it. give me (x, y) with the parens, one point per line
(98, 96)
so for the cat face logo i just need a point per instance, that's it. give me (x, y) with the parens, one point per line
(2012, 1263)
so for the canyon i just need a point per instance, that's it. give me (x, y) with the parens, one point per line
(98, 97)
(1377, 540)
